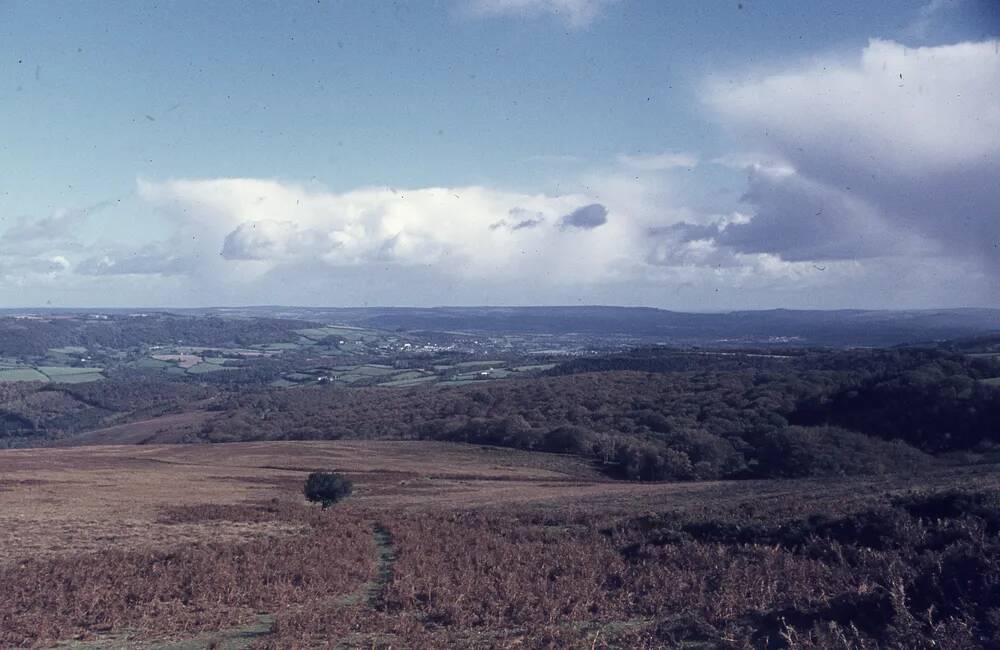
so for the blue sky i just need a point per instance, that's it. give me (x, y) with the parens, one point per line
(122, 121)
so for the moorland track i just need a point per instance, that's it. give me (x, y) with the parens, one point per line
(368, 595)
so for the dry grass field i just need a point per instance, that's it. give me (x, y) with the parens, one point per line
(441, 545)
(67, 501)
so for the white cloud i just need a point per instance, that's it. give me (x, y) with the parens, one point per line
(901, 106)
(479, 232)
(871, 182)
(900, 148)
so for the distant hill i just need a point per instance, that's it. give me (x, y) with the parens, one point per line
(767, 327)
(780, 327)
(26, 334)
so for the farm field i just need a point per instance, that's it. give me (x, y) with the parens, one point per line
(449, 545)
(56, 374)
(374, 374)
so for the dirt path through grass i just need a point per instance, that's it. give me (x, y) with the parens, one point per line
(368, 594)
(386, 560)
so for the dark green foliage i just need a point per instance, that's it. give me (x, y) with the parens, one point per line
(744, 415)
(327, 488)
(655, 413)
(933, 400)
(567, 440)
(795, 452)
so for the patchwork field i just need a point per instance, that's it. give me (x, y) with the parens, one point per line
(57, 374)
(444, 545)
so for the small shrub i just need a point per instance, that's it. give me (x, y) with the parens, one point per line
(327, 488)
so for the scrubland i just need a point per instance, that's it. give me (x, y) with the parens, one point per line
(450, 545)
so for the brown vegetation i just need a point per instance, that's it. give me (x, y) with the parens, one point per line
(447, 545)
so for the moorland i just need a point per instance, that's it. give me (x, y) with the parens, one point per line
(543, 486)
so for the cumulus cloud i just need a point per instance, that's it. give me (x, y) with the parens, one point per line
(229, 227)
(575, 14)
(870, 180)
(275, 240)
(587, 217)
(895, 151)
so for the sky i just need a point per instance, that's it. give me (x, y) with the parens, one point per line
(697, 156)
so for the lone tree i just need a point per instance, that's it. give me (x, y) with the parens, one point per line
(327, 488)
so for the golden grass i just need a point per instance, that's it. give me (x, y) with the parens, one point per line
(67, 501)
(56, 502)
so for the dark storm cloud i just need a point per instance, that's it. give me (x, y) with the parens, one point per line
(799, 219)
(894, 153)
(587, 218)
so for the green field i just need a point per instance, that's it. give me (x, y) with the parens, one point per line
(537, 367)
(62, 371)
(342, 333)
(413, 381)
(408, 374)
(148, 363)
(78, 379)
(23, 373)
(203, 368)
(60, 374)
(480, 375)
(373, 370)
(69, 375)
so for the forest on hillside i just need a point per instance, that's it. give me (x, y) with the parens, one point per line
(650, 413)
(808, 413)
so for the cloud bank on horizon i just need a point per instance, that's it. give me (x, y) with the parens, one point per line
(869, 178)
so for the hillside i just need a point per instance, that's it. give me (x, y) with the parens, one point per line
(774, 327)
(447, 545)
